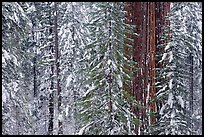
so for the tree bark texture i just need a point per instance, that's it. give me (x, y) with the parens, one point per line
(60, 115)
(148, 18)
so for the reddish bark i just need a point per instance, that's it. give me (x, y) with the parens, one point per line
(148, 17)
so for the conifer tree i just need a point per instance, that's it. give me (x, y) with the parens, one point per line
(15, 90)
(105, 104)
(174, 91)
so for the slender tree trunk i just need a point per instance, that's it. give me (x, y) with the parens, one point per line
(51, 96)
(34, 80)
(191, 89)
(74, 51)
(110, 81)
(17, 120)
(34, 67)
(60, 128)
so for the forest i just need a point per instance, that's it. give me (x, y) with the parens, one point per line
(101, 68)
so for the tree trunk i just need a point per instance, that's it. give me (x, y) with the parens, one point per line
(110, 81)
(60, 129)
(191, 89)
(51, 96)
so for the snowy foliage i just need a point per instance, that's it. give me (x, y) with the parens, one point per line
(175, 93)
(103, 103)
(94, 70)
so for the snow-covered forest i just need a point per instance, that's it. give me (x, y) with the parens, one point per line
(101, 68)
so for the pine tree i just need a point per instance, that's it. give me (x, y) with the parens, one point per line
(105, 104)
(15, 94)
(192, 20)
(174, 91)
(72, 39)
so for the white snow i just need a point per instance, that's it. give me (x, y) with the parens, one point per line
(114, 66)
(109, 62)
(69, 78)
(3, 60)
(128, 123)
(97, 66)
(16, 18)
(162, 109)
(15, 86)
(15, 61)
(198, 117)
(169, 74)
(6, 54)
(163, 57)
(161, 90)
(90, 89)
(31, 9)
(171, 56)
(81, 131)
(107, 71)
(50, 37)
(171, 83)
(60, 117)
(180, 100)
(119, 80)
(173, 114)
(106, 107)
(167, 47)
(67, 110)
(50, 60)
(170, 100)
(114, 106)
(200, 25)
(3, 94)
(148, 88)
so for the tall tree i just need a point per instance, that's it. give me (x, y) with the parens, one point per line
(105, 103)
(175, 92)
(15, 90)
(57, 63)
(72, 40)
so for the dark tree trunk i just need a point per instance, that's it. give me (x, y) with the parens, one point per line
(51, 95)
(60, 128)
(109, 77)
(191, 89)
(148, 18)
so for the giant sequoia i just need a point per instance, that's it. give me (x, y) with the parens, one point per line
(101, 68)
